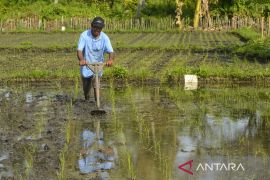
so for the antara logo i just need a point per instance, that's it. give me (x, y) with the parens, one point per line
(186, 170)
(211, 167)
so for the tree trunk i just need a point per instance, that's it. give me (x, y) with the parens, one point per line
(205, 13)
(111, 3)
(178, 11)
(141, 4)
(197, 14)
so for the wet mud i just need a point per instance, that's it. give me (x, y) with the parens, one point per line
(48, 132)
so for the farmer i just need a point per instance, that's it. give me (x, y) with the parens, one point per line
(92, 45)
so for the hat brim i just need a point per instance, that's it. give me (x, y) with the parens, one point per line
(98, 25)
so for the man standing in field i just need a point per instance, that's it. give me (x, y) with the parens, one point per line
(92, 46)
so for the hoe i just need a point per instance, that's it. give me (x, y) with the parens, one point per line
(96, 68)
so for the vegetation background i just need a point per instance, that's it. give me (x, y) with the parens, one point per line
(51, 9)
(135, 20)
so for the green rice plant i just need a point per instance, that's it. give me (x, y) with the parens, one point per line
(256, 49)
(62, 158)
(247, 34)
(143, 74)
(157, 151)
(183, 40)
(163, 161)
(40, 125)
(118, 126)
(68, 124)
(206, 38)
(131, 167)
(29, 153)
(253, 177)
(26, 44)
(189, 39)
(144, 130)
(259, 151)
(222, 37)
(211, 37)
(176, 74)
(116, 72)
(68, 131)
(166, 169)
(36, 74)
(76, 88)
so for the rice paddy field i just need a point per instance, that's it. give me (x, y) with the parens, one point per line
(201, 39)
(163, 57)
(153, 123)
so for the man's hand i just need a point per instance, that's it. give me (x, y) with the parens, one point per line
(109, 63)
(82, 62)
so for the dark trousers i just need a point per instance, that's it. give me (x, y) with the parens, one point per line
(87, 84)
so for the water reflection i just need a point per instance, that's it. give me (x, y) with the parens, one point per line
(150, 132)
(95, 154)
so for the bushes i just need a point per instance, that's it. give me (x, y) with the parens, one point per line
(52, 11)
(48, 10)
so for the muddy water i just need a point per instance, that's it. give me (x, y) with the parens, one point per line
(47, 132)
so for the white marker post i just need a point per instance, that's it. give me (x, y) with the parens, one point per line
(63, 28)
(191, 82)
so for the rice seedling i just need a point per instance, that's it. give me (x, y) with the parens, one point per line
(189, 39)
(116, 72)
(29, 153)
(213, 40)
(61, 174)
(206, 39)
(183, 41)
(143, 52)
(64, 153)
(40, 125)
(118, 126)
(68, 125)
(76, 88)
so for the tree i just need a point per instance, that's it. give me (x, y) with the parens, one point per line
(178, 11)
(205, 13)
(141, 4)
(197, 14)
(202, 10)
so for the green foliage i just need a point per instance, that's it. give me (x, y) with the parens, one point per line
(52, 11)
(27, 43)
(126, 8)
(117, 72)
(160, 8)
(247, 34)
(257, 49)
(253, 8)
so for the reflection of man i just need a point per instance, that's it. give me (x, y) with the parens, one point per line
(92, 158)
(92, 45)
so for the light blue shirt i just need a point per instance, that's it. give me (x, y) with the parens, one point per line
(93, 49)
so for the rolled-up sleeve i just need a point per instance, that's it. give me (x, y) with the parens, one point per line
(108, 46)
(81, 43)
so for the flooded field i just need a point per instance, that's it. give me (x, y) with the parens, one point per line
(47, 132)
